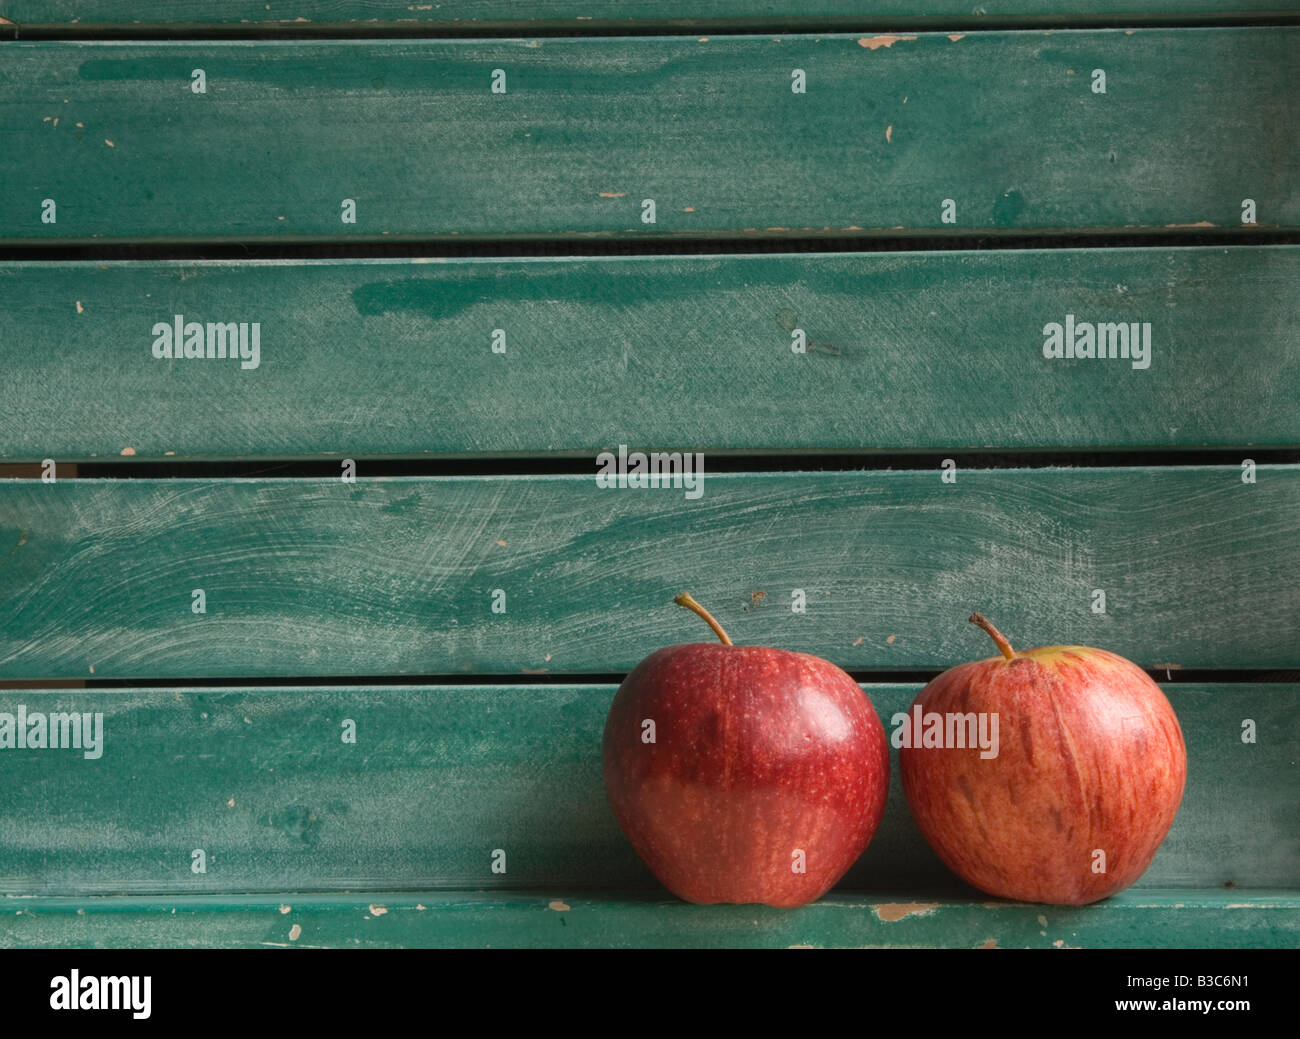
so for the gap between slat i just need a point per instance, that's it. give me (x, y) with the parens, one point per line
(587, 245)
(406, 30)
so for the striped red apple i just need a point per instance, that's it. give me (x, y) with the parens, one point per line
(1084, 787)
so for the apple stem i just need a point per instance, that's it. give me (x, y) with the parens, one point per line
(685, 600)
(994, 634)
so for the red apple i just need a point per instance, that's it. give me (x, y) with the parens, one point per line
(742, 773)
(1086, 781)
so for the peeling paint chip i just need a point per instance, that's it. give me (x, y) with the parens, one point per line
(230, 803)
(286, 910)
(798, 946)
(876, 42)
(558, 906)
(80, 308)
(127, 452)
(889, 134)
(891, 638)
(957, 36)
(1042, 921)
(992, 943)
(895, 911)
(295, 932)
(109, 143)
(377, 910)
(613, 194)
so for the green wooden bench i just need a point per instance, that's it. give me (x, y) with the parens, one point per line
(307, 537)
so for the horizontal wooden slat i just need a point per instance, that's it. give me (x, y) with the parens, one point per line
(581, 14)
(439, 778)
(1004, 124)
(929, 350)
(399, 575)
(1131, 920)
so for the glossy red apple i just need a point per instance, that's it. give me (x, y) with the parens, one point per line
(744, 774)
(1087, 778)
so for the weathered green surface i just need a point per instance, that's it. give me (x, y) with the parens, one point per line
(1131, 920)
(580, 15)
(905, 351)
(391, 576)
(439, 778)
(1004, 124)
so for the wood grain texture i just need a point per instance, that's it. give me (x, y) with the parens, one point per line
(1004, 124)
(441, 777)
(579, 15)
(932, 350)
(391, 576)
(1135, 919)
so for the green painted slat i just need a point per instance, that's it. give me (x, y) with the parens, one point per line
(390, 576)
(440, 778)
(584, 14)
(1004, 124)
(932, 350)
(1130, 920)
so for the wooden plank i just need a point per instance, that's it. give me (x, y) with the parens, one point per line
(580, 15)
(392, 576)
(1004, 124)
(439, 778)
(934, 350)
(1130, 920)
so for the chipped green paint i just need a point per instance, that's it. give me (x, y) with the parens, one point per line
(389, 576)
(598, 345)
(441, 776)
(1003, 124)
(1130, 920)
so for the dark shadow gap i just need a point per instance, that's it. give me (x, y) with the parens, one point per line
(865, 676)
(598, 244)
(583, 464)
(806, 26)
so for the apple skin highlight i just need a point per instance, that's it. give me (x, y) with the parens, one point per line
(759, 753)
(1091, 758)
